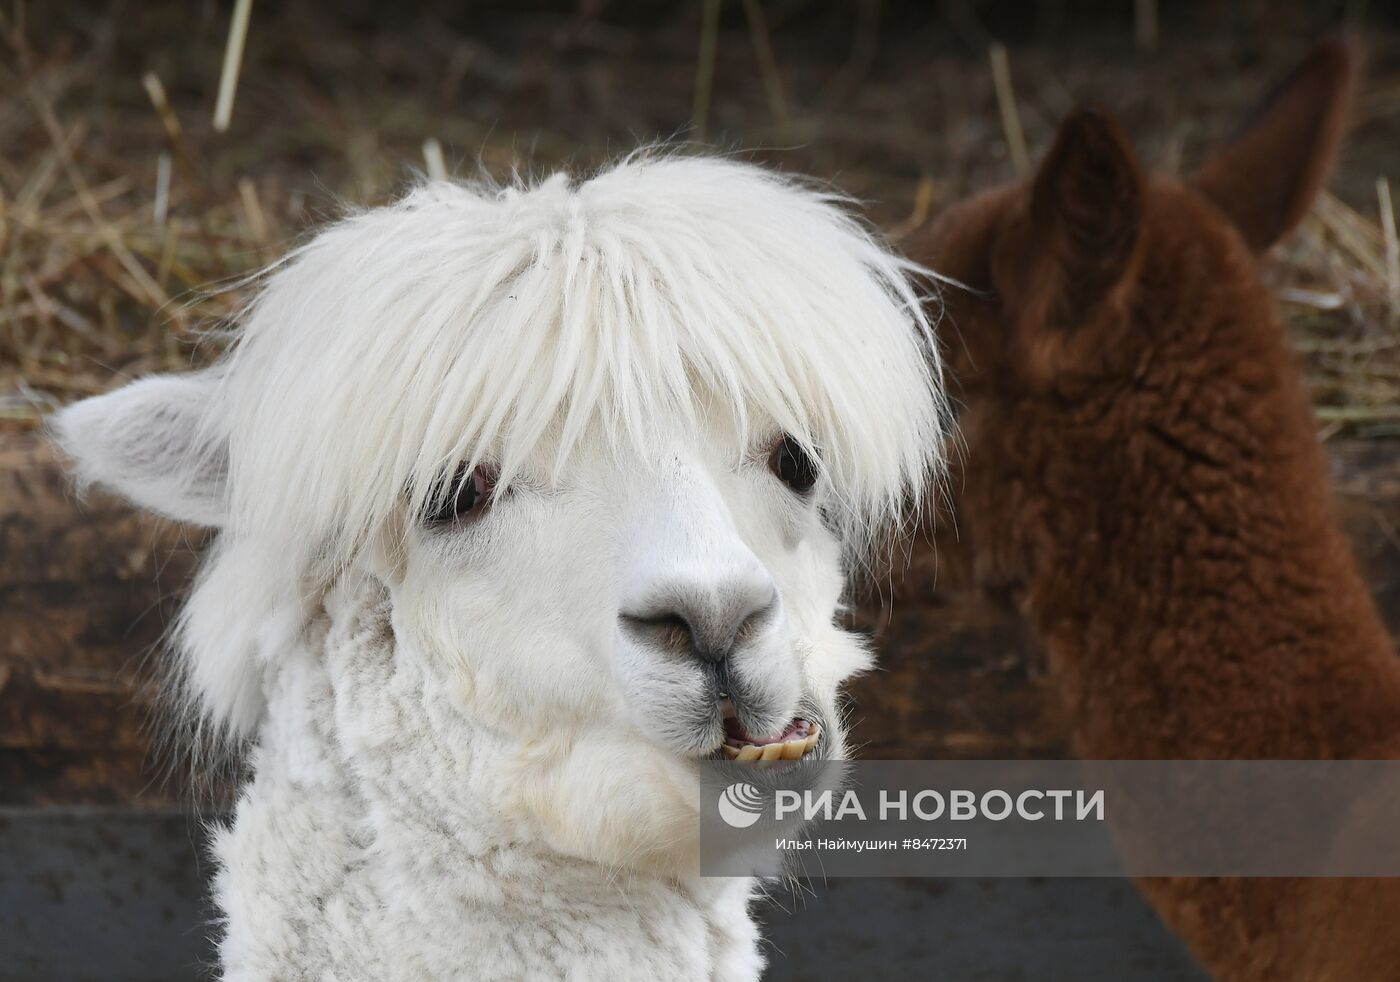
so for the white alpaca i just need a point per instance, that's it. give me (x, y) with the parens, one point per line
(529, 499)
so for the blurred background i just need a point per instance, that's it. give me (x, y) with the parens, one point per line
(128, 217)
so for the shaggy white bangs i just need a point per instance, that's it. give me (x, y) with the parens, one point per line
(469, 320)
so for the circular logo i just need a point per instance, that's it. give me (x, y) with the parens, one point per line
(740, 804)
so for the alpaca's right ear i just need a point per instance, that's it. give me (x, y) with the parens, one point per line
(149, 442)
(1266, 178)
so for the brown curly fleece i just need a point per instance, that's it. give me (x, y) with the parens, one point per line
(1143, 479)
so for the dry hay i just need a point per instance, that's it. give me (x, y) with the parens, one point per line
(127, 222)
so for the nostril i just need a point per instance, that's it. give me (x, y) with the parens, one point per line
(667, 630)
(756, 621)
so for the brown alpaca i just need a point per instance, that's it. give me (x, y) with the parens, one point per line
(1143, 479)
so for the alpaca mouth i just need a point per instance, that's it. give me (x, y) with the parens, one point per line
(798, 739)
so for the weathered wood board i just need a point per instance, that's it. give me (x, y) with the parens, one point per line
(86, 589)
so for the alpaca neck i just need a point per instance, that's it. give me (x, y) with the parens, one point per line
(369, 844)
(1208, 605)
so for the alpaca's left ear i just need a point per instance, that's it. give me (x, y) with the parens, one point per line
(1065, 256)
(1086, 212)
(148, 441)
(1266, 178)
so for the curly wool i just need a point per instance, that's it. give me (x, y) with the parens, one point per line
(351, 856)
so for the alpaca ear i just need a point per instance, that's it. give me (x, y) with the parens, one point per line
(1085, 217)
(1265, 179)
(148, 442)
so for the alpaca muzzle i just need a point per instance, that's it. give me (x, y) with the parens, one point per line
(799, 738)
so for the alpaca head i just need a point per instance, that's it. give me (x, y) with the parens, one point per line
(611, 448)
(1101, 301)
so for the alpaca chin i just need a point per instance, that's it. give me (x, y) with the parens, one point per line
(606, 799)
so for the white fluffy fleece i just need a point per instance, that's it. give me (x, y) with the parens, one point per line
(342, 863)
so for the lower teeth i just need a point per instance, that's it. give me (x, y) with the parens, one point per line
(787, 750)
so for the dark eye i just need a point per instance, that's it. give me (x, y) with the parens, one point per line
(791, 464)
(463, 498)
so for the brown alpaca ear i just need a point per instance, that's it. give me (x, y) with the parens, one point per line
(1265, 179)
(1086, 214)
